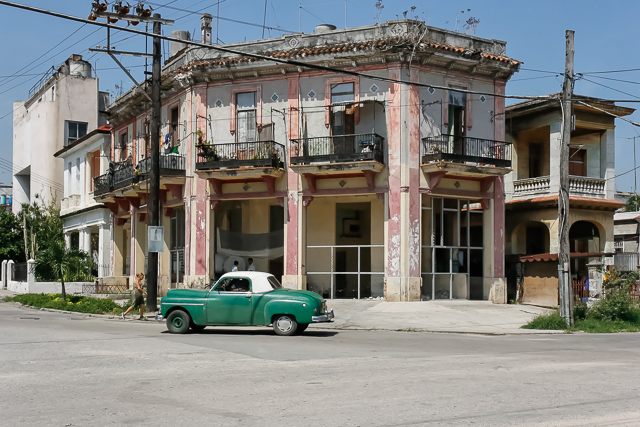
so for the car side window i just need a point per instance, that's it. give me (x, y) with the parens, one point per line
(223, 285)
(233, 284)
(240, 285)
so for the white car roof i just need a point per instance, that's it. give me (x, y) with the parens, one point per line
(259, 283)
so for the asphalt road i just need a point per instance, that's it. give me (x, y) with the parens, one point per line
(71, 370)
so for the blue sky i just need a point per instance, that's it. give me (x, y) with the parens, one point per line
(534, 31)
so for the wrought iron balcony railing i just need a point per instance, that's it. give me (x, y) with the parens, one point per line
(340, 148)
(124, 174)
(462, 149)
(258, 154)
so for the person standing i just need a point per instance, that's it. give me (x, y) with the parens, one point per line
(137, 297)
(251, 267)
(235, 266)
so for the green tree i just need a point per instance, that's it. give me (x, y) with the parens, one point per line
(633, 203)
(10, 236)
(41, 224)
(63, 264)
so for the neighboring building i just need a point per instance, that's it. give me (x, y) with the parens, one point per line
(5, 197)
(87, 224)
(623, 196)
(627, 239)
(62, 107)
(532, 189)
(345, 185)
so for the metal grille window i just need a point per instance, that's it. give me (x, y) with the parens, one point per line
(452, 247)
(74, 131)
(246, 107)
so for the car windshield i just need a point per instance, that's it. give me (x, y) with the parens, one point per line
(274, 282)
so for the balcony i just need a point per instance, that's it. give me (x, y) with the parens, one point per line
(125, 175)
(259, 154)
(523, 187)
(578, 185)
(464, 150)
(338, 149)
(70, 203)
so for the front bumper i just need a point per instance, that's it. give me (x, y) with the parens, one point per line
(327, 317)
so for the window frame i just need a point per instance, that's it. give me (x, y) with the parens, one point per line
(68, 139)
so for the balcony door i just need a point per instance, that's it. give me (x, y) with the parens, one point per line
(577, 162)
(246, 107)
(457, 118)
(342, 118)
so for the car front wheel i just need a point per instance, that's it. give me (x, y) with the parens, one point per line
(178, 322)
(285, 325)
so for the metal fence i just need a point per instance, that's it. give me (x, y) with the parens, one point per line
(580, 291)
(253, 154)
(168, 163)
(466, 149)
(94, 288)
(20, 272)
(357, 147)
(626, 261)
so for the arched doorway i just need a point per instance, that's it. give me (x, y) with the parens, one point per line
(584, 237)
(536, 238)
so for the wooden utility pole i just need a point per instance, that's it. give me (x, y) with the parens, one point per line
(154, 181)
(564, 266)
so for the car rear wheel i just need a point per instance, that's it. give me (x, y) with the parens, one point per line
(285, 325)
(178, 322)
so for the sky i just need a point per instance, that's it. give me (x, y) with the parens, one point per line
(606, 33)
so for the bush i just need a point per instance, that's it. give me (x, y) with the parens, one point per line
(74, 303)
(617, 304)
(580, 311)
(551, 321)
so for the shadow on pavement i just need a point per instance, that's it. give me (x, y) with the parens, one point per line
(262, 332)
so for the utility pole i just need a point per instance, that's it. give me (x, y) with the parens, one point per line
(635, 175)
(153, 203)
(154, 181)
(564, 266)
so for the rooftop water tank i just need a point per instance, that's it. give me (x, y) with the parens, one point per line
(177, 46)
(79, 67)
(324, 28)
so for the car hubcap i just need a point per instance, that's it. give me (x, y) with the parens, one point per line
(284, 324)
(177, 322)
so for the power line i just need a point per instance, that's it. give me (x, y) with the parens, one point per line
(609, 87)
(191, 12)
(267, 57)
(17, 168)
(612, 71)
(616, 80)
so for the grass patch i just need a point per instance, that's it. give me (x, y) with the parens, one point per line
(550, 321)
(74, 303)
(594, 326)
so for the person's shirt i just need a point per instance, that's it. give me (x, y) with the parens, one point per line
(252, 267)
(235, 268)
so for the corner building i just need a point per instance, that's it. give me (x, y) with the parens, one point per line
(349, 186)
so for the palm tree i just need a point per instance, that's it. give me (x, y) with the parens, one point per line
(61, 263)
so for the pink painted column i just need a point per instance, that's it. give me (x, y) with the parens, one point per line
(201, 188)
(394, 235)
(293, 202)
(132, 246)
(498, 186)
(415, 201)
(188, 185)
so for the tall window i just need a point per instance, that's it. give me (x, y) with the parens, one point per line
(342, 117)
(457, 111)
(124, 140)
(74, 131)
(577, 162)
(77, 175)
(246, 107)
(535, 160)
(174, 127)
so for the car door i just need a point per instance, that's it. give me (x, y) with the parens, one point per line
(230, 302)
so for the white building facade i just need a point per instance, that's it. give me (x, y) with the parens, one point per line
(86, 224)
(61, 108)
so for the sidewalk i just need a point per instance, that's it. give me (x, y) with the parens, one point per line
(453, 316)
(457, 316)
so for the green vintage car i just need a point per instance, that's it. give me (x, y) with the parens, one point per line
(247, 298)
